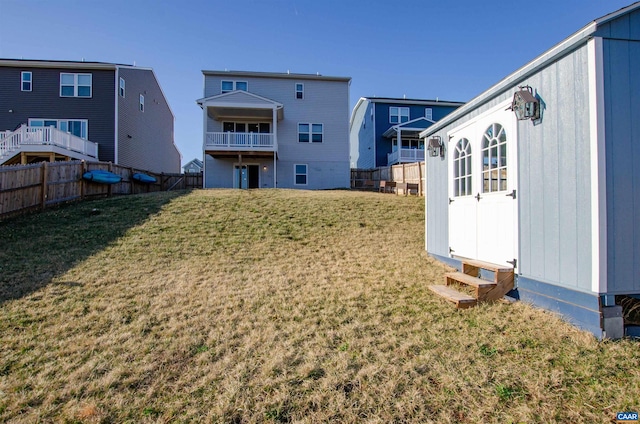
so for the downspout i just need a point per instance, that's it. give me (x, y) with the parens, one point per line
(204, 145)
(275, 145)
(117, 111)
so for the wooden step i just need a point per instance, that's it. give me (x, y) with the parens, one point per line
(480, 287)
(487, 265)
(461, 300)
(468, 280)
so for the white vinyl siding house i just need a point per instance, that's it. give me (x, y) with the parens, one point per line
(257, 134)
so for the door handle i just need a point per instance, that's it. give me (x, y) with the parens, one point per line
(478, 197)
(512, 194)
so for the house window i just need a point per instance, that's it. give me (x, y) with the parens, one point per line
(428, 113)
(462, 168)
(122, 87)
(77, 127)
(299, 91)
(310, 133)
(25, 81)
(141, 103)
(227, 86)
(398, 115)
(75, 85)
(243, 127)
(300, 177)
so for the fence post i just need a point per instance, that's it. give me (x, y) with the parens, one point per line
(131, 181)
(83, 169)
(110, 189)
(43, 200)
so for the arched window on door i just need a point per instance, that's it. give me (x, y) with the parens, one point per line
(462, 168)
(494, 159)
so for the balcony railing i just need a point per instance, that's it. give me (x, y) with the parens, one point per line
(240, 141)
(26, 135)
(405, 156)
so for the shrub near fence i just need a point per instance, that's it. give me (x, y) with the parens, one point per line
(43, 184)
(412, 173)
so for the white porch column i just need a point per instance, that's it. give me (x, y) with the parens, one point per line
(399, 145)
(275, 145)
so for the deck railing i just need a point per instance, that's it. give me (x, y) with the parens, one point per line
(405, 156)
(26, 135)
(234, 140)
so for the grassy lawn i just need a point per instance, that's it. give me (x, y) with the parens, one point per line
(274, 306)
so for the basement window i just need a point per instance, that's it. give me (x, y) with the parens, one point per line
(300, 171)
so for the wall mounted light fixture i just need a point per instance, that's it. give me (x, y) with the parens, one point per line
(525, 105)
(436, 147)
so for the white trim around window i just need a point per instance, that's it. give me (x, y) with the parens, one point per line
(299, 91)
(398, 115)
(141, 103)
(428, 113)
(26, 81)
(300, 174)
(227, 86)
(122, 87)
(77, 127)
(76, 85)
(310, 133)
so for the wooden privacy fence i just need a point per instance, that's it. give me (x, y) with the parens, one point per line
(369, 179)
(43, 184)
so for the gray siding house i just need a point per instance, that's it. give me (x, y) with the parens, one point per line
(266, 130)
(556, 196)
(61, 110)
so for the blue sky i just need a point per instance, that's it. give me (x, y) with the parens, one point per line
(446, 49)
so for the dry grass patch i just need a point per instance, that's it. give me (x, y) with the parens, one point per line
(274, 305)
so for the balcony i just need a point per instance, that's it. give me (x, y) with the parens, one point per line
(44, 141)
(405, 156)
(219, 143)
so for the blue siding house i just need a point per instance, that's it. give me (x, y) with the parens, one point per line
(384, 131)
(541, 174)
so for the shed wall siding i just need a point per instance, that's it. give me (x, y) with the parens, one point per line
(145, 139)
(625, 27)
(555, 195)
(622, 147)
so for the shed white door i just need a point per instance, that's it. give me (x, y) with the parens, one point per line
(483, 222)
(462, 203)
